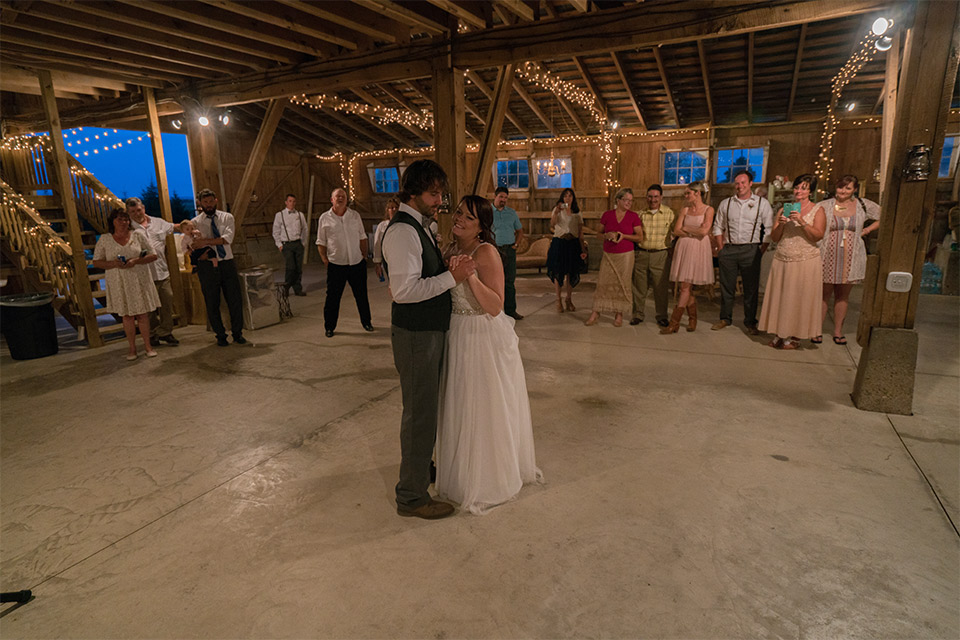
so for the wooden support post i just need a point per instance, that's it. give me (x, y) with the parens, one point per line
(252, 171)
(64, 188)
(160, 167)
(491, 133)
(890, 84)
(204, 150)
(449, 132)
(885, 373)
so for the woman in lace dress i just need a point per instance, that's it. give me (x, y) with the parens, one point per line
(842, 250)
(791, 301)
(131, 294)
(485, 450)
(692, 256)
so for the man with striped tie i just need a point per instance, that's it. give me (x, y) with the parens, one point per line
(217, 229)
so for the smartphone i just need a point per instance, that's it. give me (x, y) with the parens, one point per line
(790, 207)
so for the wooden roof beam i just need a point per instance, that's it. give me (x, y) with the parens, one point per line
(355, 18)
(105, 22)
(127, 44)
(425, 18)
(572, 112)
(666, 85)
(315, 124)
(580, 5)
(487, 91)
(282, 16)
(398, 96)
(470, 13)
(241, 203)
(469, 106)
(621, 71)
(294, 136)
(533, 106)
(179, 29)
(518, 8)
(491, 134)
(796, 69)
(344, 120)
(248, 30)
(591, 85)
(27, 61)
(705, 74)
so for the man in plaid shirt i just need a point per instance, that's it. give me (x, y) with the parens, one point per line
(651, 264)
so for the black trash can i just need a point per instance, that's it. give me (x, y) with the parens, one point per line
(28, 325)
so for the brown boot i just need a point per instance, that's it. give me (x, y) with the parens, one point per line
(674, 325)
(692, 313)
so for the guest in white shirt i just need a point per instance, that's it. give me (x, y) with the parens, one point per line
(156, 230)
(392, 205)
(740, 228)
(342, 243)
(290, 236)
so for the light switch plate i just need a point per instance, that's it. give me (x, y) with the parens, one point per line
(899, 281)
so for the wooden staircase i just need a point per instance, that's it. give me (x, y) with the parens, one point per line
(35, 242)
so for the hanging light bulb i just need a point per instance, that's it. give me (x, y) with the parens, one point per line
(880, 26)
(884, 43)
(203, 121)
(176, 123)
(225, 118)
(851, 106)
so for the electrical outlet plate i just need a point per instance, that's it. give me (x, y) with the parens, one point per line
(899, 281)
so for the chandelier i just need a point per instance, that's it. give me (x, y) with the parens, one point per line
(550, 166)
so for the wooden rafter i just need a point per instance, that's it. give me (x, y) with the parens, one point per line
(105, 23)
(251, 29)
(518, 87)
(357, 18)
(281, 16)
(572, 112)
(424, 18)
(580, 5)
(519, 8)
(750, 77)
(591, 85)
(369, 99)
(398, 96)
(704, 73)
(347, 122)
(621, 71)
(487, 91)
(469, 106)
(25, 81)
(470, 13)
(308, 120)
(491, 133)
(796, 70)
(179, 30)
(666, 85)
(257, 155)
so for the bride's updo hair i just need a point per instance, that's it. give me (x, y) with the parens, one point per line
(481, 208)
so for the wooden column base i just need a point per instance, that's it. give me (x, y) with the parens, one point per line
(886, 374)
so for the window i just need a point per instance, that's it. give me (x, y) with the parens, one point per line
(513, 174)
(386, 180)
(948, 159)
(562, 173)
(683, 167)
(730, 161)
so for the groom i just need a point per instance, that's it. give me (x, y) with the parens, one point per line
(420, 317)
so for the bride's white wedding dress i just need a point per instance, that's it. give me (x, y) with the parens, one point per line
(485, 448)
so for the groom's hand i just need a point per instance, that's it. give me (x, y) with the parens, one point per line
(463, 268)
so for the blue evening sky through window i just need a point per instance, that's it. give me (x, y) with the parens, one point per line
(125, 166)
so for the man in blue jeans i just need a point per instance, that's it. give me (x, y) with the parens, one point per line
(508, 232)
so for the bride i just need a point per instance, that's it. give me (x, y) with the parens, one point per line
(485, 437)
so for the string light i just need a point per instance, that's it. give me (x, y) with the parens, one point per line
(422, 120)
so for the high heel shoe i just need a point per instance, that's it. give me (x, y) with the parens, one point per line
(570, 306)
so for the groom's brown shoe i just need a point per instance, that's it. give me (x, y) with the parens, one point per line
(433, 510)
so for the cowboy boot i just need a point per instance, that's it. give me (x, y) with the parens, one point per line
(692, 313)
(674, 325)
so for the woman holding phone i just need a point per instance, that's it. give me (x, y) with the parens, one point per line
(792, 300)
(568, 249)
(621, 228)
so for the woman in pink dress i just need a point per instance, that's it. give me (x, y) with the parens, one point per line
(791, 301)
(692, 255)
(621, 228)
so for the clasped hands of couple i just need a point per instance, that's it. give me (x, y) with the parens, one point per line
(462, 267)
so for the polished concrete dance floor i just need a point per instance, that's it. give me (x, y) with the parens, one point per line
(698, 485)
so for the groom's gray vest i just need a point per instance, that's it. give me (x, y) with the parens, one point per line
(432, 314)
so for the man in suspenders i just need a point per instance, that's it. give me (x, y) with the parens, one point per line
(290, 236)
(420, 316)
(739, 228)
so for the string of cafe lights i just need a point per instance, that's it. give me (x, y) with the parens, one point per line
(422, 120)
(32, 141)
(870, 44)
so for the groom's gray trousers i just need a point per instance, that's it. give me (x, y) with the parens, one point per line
(418, 356)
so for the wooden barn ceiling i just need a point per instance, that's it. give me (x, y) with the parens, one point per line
(654, 64)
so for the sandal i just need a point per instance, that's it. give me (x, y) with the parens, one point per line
(592, 320)
(839, 340)
(570, 306)
(776, 343)
(618, 321)
(817, 340)
(790, 344)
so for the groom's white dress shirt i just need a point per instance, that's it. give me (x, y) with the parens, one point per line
(402, 253)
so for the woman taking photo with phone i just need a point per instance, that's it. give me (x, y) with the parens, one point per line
(568, 249)
(791, 301)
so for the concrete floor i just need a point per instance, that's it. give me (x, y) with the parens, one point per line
(698, 486)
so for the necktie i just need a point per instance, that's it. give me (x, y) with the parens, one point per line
(221, 252)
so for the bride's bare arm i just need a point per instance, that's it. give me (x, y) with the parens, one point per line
(487, 283)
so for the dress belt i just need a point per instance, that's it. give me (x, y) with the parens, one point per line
(650, 250)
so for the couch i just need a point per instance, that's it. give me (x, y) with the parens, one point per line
(532, 253)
